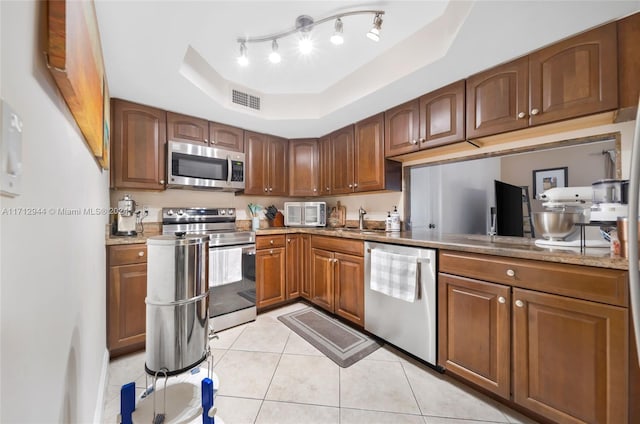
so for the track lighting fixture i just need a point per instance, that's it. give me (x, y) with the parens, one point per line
(304, 24)
(274, 57)
(337, 37)
(374, 32)
(243, 59)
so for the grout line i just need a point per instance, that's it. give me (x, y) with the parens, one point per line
(384, 411)
(415, 398)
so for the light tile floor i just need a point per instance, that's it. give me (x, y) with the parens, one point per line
(268, 374)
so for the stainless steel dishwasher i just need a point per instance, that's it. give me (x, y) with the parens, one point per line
(410, 326)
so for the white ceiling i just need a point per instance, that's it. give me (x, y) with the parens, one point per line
(181, 55)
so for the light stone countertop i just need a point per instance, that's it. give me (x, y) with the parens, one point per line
(514, 247)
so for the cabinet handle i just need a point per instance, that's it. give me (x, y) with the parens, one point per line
(207, 140)
(315, 190)
(511, 273)
(328, 189)
(271, 252)
(213, 142)
(355, 185)
(141, 253)
(334, 261)
(519, 303)
(161, 181)
(350, 185)
(265, 189)
(423, 140)
(521, 115)
(271, 241)
(501, 299)
(414, 142)
(270, 188)
(534, 111)
(288, 240)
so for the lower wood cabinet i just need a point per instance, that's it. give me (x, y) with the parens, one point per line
(126, 292)
(337, 276)
(561, 357)
(270, 270)
(297, 263)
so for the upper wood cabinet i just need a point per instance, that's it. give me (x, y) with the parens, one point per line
(304, 167)
(402, 128)
(266, 160)
(434, 119)
(342, 160)
(357, 159)
(442, 116)
(200, 131)
(326, 164)
(628, 65)
(226, 137)
(574, 77)
(139, 146)
(187, 128)
(498, 99)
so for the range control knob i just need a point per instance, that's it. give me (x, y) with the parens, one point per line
(230, 212)
(222, 212)
(170, 212)
(180, 212)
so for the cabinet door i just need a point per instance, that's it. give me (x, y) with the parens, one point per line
(126, 310)
(304, 168)
(570, 358)
(326, 164)
(305, 261)
(226, 137)
(187, 128)
(342, 159)
(294, 265)
(401, 127)
(575, 77)
(255, 172)
(474, 341)
(442, 116)
(628, 64)
(139, 146)
(277, 166)
(349, 287)
(322, 264)
(369, 154)
(497, 99)
(270, 276)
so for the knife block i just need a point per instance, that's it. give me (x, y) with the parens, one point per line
(278, 221)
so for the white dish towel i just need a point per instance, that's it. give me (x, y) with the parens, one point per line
(394, 275)
(225, 266)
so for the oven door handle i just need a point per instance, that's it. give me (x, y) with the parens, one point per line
(229, 169)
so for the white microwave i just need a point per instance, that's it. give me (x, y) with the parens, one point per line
(191, 165)
(305, 214)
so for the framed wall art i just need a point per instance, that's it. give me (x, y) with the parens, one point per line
(544, 179)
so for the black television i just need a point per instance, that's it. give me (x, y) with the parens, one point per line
(509, 218)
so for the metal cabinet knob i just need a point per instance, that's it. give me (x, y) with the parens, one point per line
(501, 299)
(414, 141)
(315, 190)
(265, 189)
(350, 185)
(161, 181)
(335, 261)
(519, 303)
(328, 189)
(534, 111)
(207, 140)
(355, 184)
(511, 273)
(141, 253)
(288, 240)
(213, 142)
(271, 241)
(423, 140)
(521, 115)
(270, 188)
(271, 252)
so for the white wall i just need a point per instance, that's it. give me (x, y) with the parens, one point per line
(52, 285)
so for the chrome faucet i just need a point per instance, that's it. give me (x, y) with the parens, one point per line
(361, 213)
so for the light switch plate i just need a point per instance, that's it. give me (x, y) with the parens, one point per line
(10, 151)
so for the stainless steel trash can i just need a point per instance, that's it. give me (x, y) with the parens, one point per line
(177, 303)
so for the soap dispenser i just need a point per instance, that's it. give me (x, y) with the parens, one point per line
(395, 219)
(387, 222)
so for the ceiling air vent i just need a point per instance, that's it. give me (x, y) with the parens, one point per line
(245, 99)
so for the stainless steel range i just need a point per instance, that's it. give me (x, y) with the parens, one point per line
(232, 263)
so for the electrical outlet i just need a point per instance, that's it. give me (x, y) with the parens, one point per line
(145, 211)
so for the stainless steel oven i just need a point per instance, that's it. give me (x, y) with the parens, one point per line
(232, 263)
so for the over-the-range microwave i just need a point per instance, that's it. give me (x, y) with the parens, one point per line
(191, 165)
(305, 214)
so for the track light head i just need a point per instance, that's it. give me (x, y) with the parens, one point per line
(337, 37)
(243, 59)
(374, 32)
(274, 56)
(305, 44)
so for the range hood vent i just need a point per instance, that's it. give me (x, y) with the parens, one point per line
(245, 99)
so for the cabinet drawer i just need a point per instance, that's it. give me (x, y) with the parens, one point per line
(338, 244)
(129, 254)
(267, 242)
(582, 282)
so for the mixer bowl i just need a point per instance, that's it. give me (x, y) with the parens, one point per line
(555, 225)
